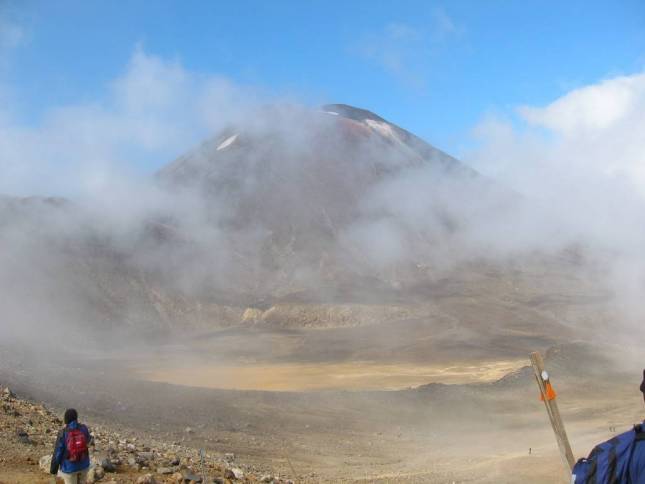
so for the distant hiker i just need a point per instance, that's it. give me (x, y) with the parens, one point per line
(619, 460)
(71, 453)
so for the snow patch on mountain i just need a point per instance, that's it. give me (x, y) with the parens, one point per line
(384, 129)
(227, 142)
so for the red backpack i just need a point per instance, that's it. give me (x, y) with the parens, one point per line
(76, 445)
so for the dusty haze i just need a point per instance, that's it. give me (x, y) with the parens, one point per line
(195, 232)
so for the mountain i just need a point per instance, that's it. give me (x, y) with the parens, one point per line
(304, 194)
(336, 141)
(300, 217)
(398, 135)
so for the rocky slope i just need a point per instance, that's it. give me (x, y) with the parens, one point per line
(28, 431)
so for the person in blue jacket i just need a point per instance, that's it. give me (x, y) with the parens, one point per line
(71, 451)
(620, 460)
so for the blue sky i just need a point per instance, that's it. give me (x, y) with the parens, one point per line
(435, 68)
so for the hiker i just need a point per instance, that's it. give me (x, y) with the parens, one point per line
(619, 460)
(71, 453)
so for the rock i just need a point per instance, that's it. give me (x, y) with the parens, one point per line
(108, 465)
(45, 462)
(234, 473)
(13, 412)
(141, 459)
(251, 315)
(95, 474)
(174, 461)
(147, 479)
(188, 430)
(190, 477)
(7, 393)
(145, 455)
(164, 470)
(229, 457)
(177, 477)
(266, 478)
(23, 437)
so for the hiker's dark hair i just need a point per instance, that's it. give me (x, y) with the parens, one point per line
(71, 415)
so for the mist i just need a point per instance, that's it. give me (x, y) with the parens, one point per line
(227, 270)
(554, 181)
(580, 158)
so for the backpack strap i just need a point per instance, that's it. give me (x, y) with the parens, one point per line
(640, 435)
(612, 461)
(593, 467)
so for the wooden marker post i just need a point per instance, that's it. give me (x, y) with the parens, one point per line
(548, 396)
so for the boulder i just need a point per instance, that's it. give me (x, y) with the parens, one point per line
(45, 463)
(147, 479)
(251, 315)
(108, 465)
(23, 436)
(145, 455)
(96, 473)
(190, 477)
(234, 473)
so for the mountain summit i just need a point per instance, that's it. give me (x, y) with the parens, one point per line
(397, 134)
(338, 125)
(310, 193)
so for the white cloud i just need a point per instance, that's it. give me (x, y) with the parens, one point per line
(592, 136)
(592, 108)
(394, 49)
(11, 35)
(403, 50)
(583, 157)
(401, 31)
(443, 25)
(153, 112)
